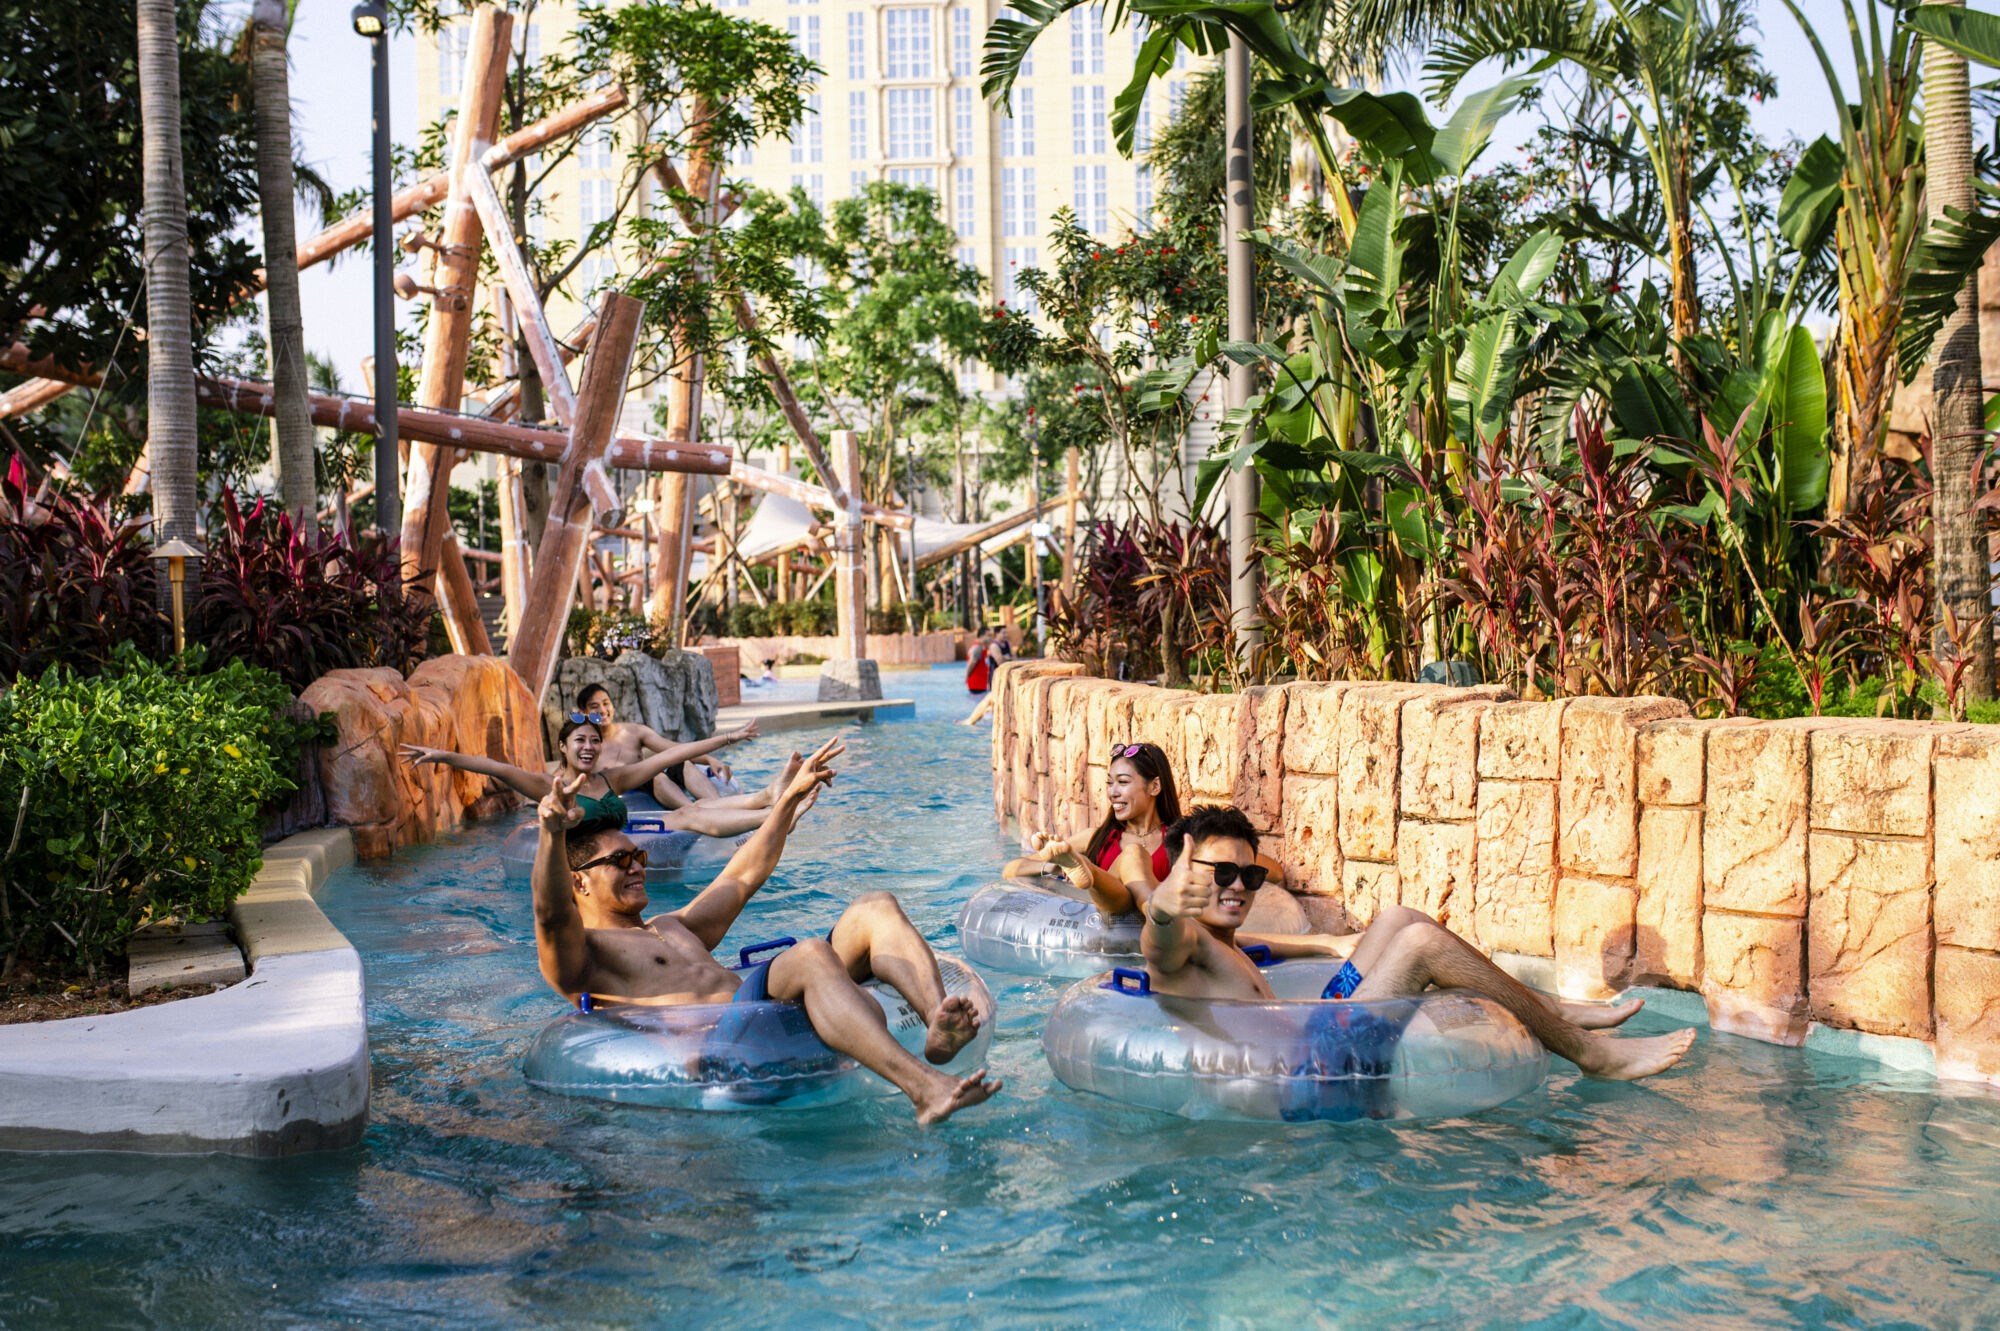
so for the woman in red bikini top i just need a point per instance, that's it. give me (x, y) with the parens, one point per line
(1139, 786)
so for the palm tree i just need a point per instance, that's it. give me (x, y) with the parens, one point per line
(291, 424)
(170, 396)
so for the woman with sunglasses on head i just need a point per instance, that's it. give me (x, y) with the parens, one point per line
(580, 743)
(687, 778)
(1124, 857)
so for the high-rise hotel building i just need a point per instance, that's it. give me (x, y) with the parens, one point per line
(899, 100)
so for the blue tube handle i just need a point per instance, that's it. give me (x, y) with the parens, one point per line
(583, 1003)
(645, 825)
(1260, 955)
(743, 955)
(1121, 974)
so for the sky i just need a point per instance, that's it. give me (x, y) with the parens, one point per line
(330, 99)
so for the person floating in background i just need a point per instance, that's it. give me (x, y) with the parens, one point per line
(685, 781)
(1192, 950)
(581, 742)
(591, 938)
(770, 675)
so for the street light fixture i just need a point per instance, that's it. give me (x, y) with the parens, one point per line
(177, 553)
(371, 20)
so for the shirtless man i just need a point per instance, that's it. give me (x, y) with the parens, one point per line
(684, 781)
(1189, 941)
(591, 937)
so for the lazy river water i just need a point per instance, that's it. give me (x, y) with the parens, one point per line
(1755, 1186)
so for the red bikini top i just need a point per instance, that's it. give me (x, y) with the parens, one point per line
(1109, 856)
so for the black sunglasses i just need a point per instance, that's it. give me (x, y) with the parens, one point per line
(591, 718)
(1228, 871)
(624, 859)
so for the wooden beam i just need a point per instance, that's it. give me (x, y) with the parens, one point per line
(565, 541)
(447, 335)
(31, 396)
(850, 595)
(815, 496)
(515, 563)
(987, 533)
(527, 304)
(429, 192)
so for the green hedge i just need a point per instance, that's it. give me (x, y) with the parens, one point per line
(144, 794)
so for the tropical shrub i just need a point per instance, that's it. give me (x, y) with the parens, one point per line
(130, 795)
(73, 587)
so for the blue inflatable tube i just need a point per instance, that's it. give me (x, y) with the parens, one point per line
(1296, 1058)
(1045, 928)
(729, 1056)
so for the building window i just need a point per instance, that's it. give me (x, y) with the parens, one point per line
(1017, 201)
(531, 43)
(1176, 94)
(963, 53)
(962, 120)
(599, 150)
(968, 255)
(966, 205)
(857, 44)
(816, 189)
(1142, 190)
(1017, 131)
(1013, 262)
(1142, 138)
(857, 126)
(1100, 200)
(1079, 120)
(909, 54)
(1100, 124)
(1086, 40)
(857, 182)
(910, 129)
(815, 129)
(922, 177)
(812, 38)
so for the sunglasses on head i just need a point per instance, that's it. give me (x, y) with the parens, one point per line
(1226, 873)
(591, 717)
(1126, 751)
(625, 859)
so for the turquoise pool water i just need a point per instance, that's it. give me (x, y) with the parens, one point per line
(1755, 1187)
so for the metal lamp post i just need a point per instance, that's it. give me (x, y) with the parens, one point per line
(177, 553)
(371, 20)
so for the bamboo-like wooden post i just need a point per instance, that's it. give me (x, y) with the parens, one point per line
(785, 555)
(565, 541)
(514, 557)
(1073, 473)
(850, 588)
(441, 383)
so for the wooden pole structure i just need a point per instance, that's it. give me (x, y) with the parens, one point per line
(565, 540)
(1073, 475)
(784, 556)
(427, 534)
(974, 539)
(850, 593)
(515, 565)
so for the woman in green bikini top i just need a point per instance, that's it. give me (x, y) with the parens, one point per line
(597, 800)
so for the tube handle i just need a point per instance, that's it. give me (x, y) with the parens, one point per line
(743, 955)
(1121, 974)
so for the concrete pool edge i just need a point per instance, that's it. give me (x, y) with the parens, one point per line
(273, 1066)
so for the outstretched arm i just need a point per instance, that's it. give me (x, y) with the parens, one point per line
(1169, 939)
(559, 934)
(709, 916)
(634, 775)
(532, 784)
(1107, 893)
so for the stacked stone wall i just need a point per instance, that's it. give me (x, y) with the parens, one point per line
(1817, 870)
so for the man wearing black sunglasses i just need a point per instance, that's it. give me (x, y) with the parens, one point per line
(1189, 941)
(592, 937)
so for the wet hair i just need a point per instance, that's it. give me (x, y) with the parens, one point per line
(591, 691)
(1150, 762)
(1209, 822)
(581, 847)
(571, 727)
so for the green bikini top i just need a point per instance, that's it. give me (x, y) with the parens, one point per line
(606, 814)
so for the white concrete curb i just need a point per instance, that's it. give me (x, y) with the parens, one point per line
(273, 1066)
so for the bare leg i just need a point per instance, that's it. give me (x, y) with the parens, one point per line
(850, 1021)
(1590, 1016)
(668, 794)
(875, 939)
(715, 822)
(1417, 952)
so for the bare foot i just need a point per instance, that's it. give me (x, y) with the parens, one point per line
(952, 1027)
(783, 779)
(1598, 1016)
(1631, 1059)
(948, 1097)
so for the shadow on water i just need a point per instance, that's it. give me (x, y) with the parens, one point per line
(1755, 1187)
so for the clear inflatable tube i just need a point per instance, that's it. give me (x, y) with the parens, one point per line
(1044, 930)
(1441, 1054)
(729, 1056)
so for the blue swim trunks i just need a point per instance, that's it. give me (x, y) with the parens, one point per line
(756, 984)
(1345, 1056)
(1344, 984)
